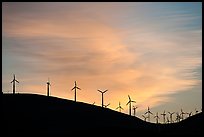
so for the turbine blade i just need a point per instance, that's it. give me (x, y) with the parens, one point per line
(133, 101)
(105, 91)
(73, 88)
(78, 88)
(17, 81)
(128, 103)
(99, 90)
(129, 97)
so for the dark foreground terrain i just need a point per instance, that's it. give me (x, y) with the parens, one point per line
(31, 114)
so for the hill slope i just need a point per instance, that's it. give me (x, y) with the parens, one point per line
(25, 114)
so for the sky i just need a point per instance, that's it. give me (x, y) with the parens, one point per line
(150, 51)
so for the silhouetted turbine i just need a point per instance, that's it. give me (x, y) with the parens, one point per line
(164, 114)
(157, 118)
(167, 120)
(170, 114)
(102, 92)
(129, 102)
(178, 117)
(148, 112)
(48, 87)
(74, 88)
(106, 105)
(13, 81)
(182, 113)
(134, 110)
(144, 118)
(189, 114)
(196, 111)
(119, 107)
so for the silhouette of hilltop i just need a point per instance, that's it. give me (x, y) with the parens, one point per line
(31, 114)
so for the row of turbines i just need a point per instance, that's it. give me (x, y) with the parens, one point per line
(166, 120)
(48, 90)
(179, 116)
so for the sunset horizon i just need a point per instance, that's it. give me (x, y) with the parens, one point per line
(151, 52)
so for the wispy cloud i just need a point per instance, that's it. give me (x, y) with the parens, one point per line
(80, 43)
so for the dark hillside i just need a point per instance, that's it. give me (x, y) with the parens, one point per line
(31, 114)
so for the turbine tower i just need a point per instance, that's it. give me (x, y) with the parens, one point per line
(167, 120)
(178, 117)
(48, 87)
(182, 113)
(196, 111)
(134, 110)
(170, 114)
(13, 81)
(75, 89)
(119, 107)
(102, 92)
(148, 112)
(129, 102)
(157, 118)
(164, 114)
(144, 118)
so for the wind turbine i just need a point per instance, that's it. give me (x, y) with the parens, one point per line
(182, 113)
(102, 92)
(144, 118)
(75, 88)
(189, 114)
(167, 120)
(134, 110)
(170, 114)
(129, 102)
(106, 105)
(164, 114)
(148, 112)
(157, 118)
(178, 117)
(119, 107)
(196, 111)
(48, 87)
(13, 81)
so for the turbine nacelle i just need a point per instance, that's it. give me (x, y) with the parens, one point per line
(103, 91)
(75, 86)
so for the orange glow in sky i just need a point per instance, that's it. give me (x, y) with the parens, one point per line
(151, 52)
